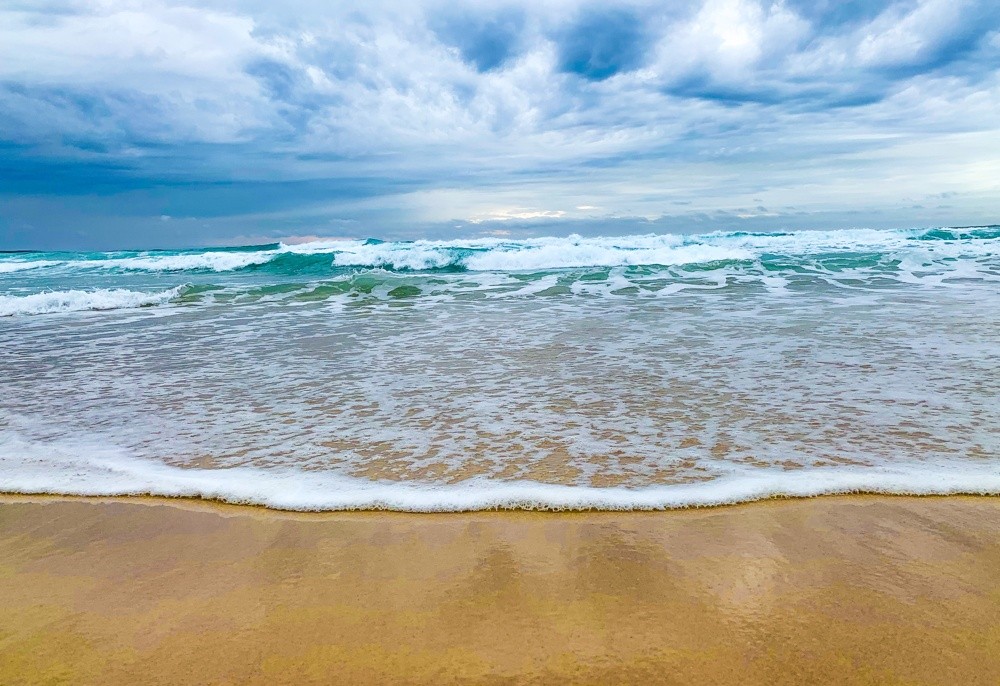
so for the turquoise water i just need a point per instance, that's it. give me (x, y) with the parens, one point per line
(611, 372)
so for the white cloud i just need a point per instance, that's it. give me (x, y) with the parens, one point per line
(508, 214)
(728, 39)
(184, 65)
(898, 38)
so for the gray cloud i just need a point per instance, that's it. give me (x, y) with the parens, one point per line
(486, 39)
(603, 42)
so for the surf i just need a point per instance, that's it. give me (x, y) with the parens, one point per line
(103, 299)
(543, 253)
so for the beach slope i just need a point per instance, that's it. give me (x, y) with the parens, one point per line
(833, 590)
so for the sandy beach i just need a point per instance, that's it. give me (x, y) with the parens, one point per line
(831, 590)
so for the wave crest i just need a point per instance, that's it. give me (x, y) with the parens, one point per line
(24, 265)
(78, 301)
(537, 254)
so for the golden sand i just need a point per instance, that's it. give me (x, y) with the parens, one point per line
(829, 590)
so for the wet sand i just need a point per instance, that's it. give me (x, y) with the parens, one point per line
(853, 590)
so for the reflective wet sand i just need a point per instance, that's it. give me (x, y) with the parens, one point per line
(828, 590)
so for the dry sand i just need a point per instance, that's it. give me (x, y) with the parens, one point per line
(827, 590)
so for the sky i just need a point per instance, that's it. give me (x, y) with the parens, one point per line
(140, 123)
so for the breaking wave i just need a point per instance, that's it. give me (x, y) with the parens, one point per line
(80, 300)
(534, 254)
(8, 267)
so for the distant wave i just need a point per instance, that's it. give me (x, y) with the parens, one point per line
(81, 469)
(78, 300)
(536, 254)
(23, 265)
(206, 261)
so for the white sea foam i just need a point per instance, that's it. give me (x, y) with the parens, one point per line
(94, 469)
(849, 240)
(76, 301)
(583, 254)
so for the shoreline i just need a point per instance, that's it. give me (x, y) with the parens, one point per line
(512, 507)
(835, 589)
(236, 509)
(222, 505)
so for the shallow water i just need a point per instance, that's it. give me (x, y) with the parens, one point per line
(629, 372)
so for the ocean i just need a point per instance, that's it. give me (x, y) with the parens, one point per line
(631, 372)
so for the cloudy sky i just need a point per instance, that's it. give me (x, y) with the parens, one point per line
(138, 123)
